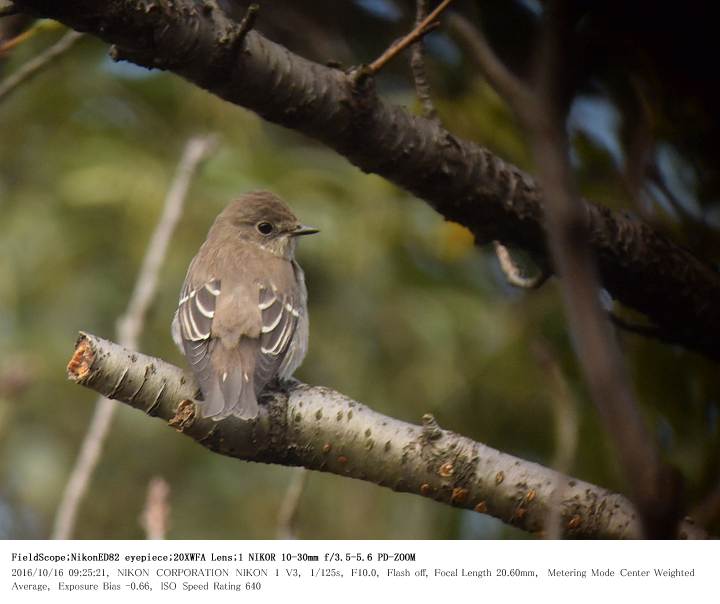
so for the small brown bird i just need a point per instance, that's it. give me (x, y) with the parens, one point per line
(242, 317)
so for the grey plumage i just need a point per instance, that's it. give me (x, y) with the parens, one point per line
(242, 315)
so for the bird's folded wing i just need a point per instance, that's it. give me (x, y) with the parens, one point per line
(195, 313)
(281, 315)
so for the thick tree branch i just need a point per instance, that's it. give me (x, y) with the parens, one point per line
(320, 429)
(461, 180)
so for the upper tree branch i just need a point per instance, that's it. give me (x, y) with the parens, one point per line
(323, 430)
(463, 181)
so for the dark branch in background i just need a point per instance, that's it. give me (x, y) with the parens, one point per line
(461, 180)
(653, 486)
(543, 112)
(323, 430)
(417, 65)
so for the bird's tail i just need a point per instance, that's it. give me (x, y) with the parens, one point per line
(232, 389)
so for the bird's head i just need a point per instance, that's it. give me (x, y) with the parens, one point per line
(265, 220)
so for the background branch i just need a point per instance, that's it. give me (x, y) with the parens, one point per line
(417, 65)
(463, 181)
(129, 327)
(156, 513)
(320, 429)
(37, 64)
(652, 485)
(287, 517)
(543, 112)
(513, 91)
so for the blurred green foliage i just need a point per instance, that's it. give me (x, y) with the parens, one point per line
(407, 315)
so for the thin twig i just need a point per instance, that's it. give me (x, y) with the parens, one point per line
(417, 66)
(511, 88)
(287, 517)
(129, 327)
(156, 513)
(20, 37)
(513, 273)
(248, 21)
(420, 30)
(38, 63)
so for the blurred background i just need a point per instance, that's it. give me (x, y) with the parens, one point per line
(407, 315)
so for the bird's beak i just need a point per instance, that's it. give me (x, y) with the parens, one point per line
(304, 230)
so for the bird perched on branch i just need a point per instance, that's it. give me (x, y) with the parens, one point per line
(242, 317)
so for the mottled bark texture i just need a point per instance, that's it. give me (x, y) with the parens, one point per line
(462, 180)
(320, 429)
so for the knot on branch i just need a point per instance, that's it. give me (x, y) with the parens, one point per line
(430, 428)
(363, 91)
(184, 416)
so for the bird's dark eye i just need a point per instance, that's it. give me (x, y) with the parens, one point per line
(264, 228)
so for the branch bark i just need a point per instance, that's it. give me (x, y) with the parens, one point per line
(463, 181)
(320, 429)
